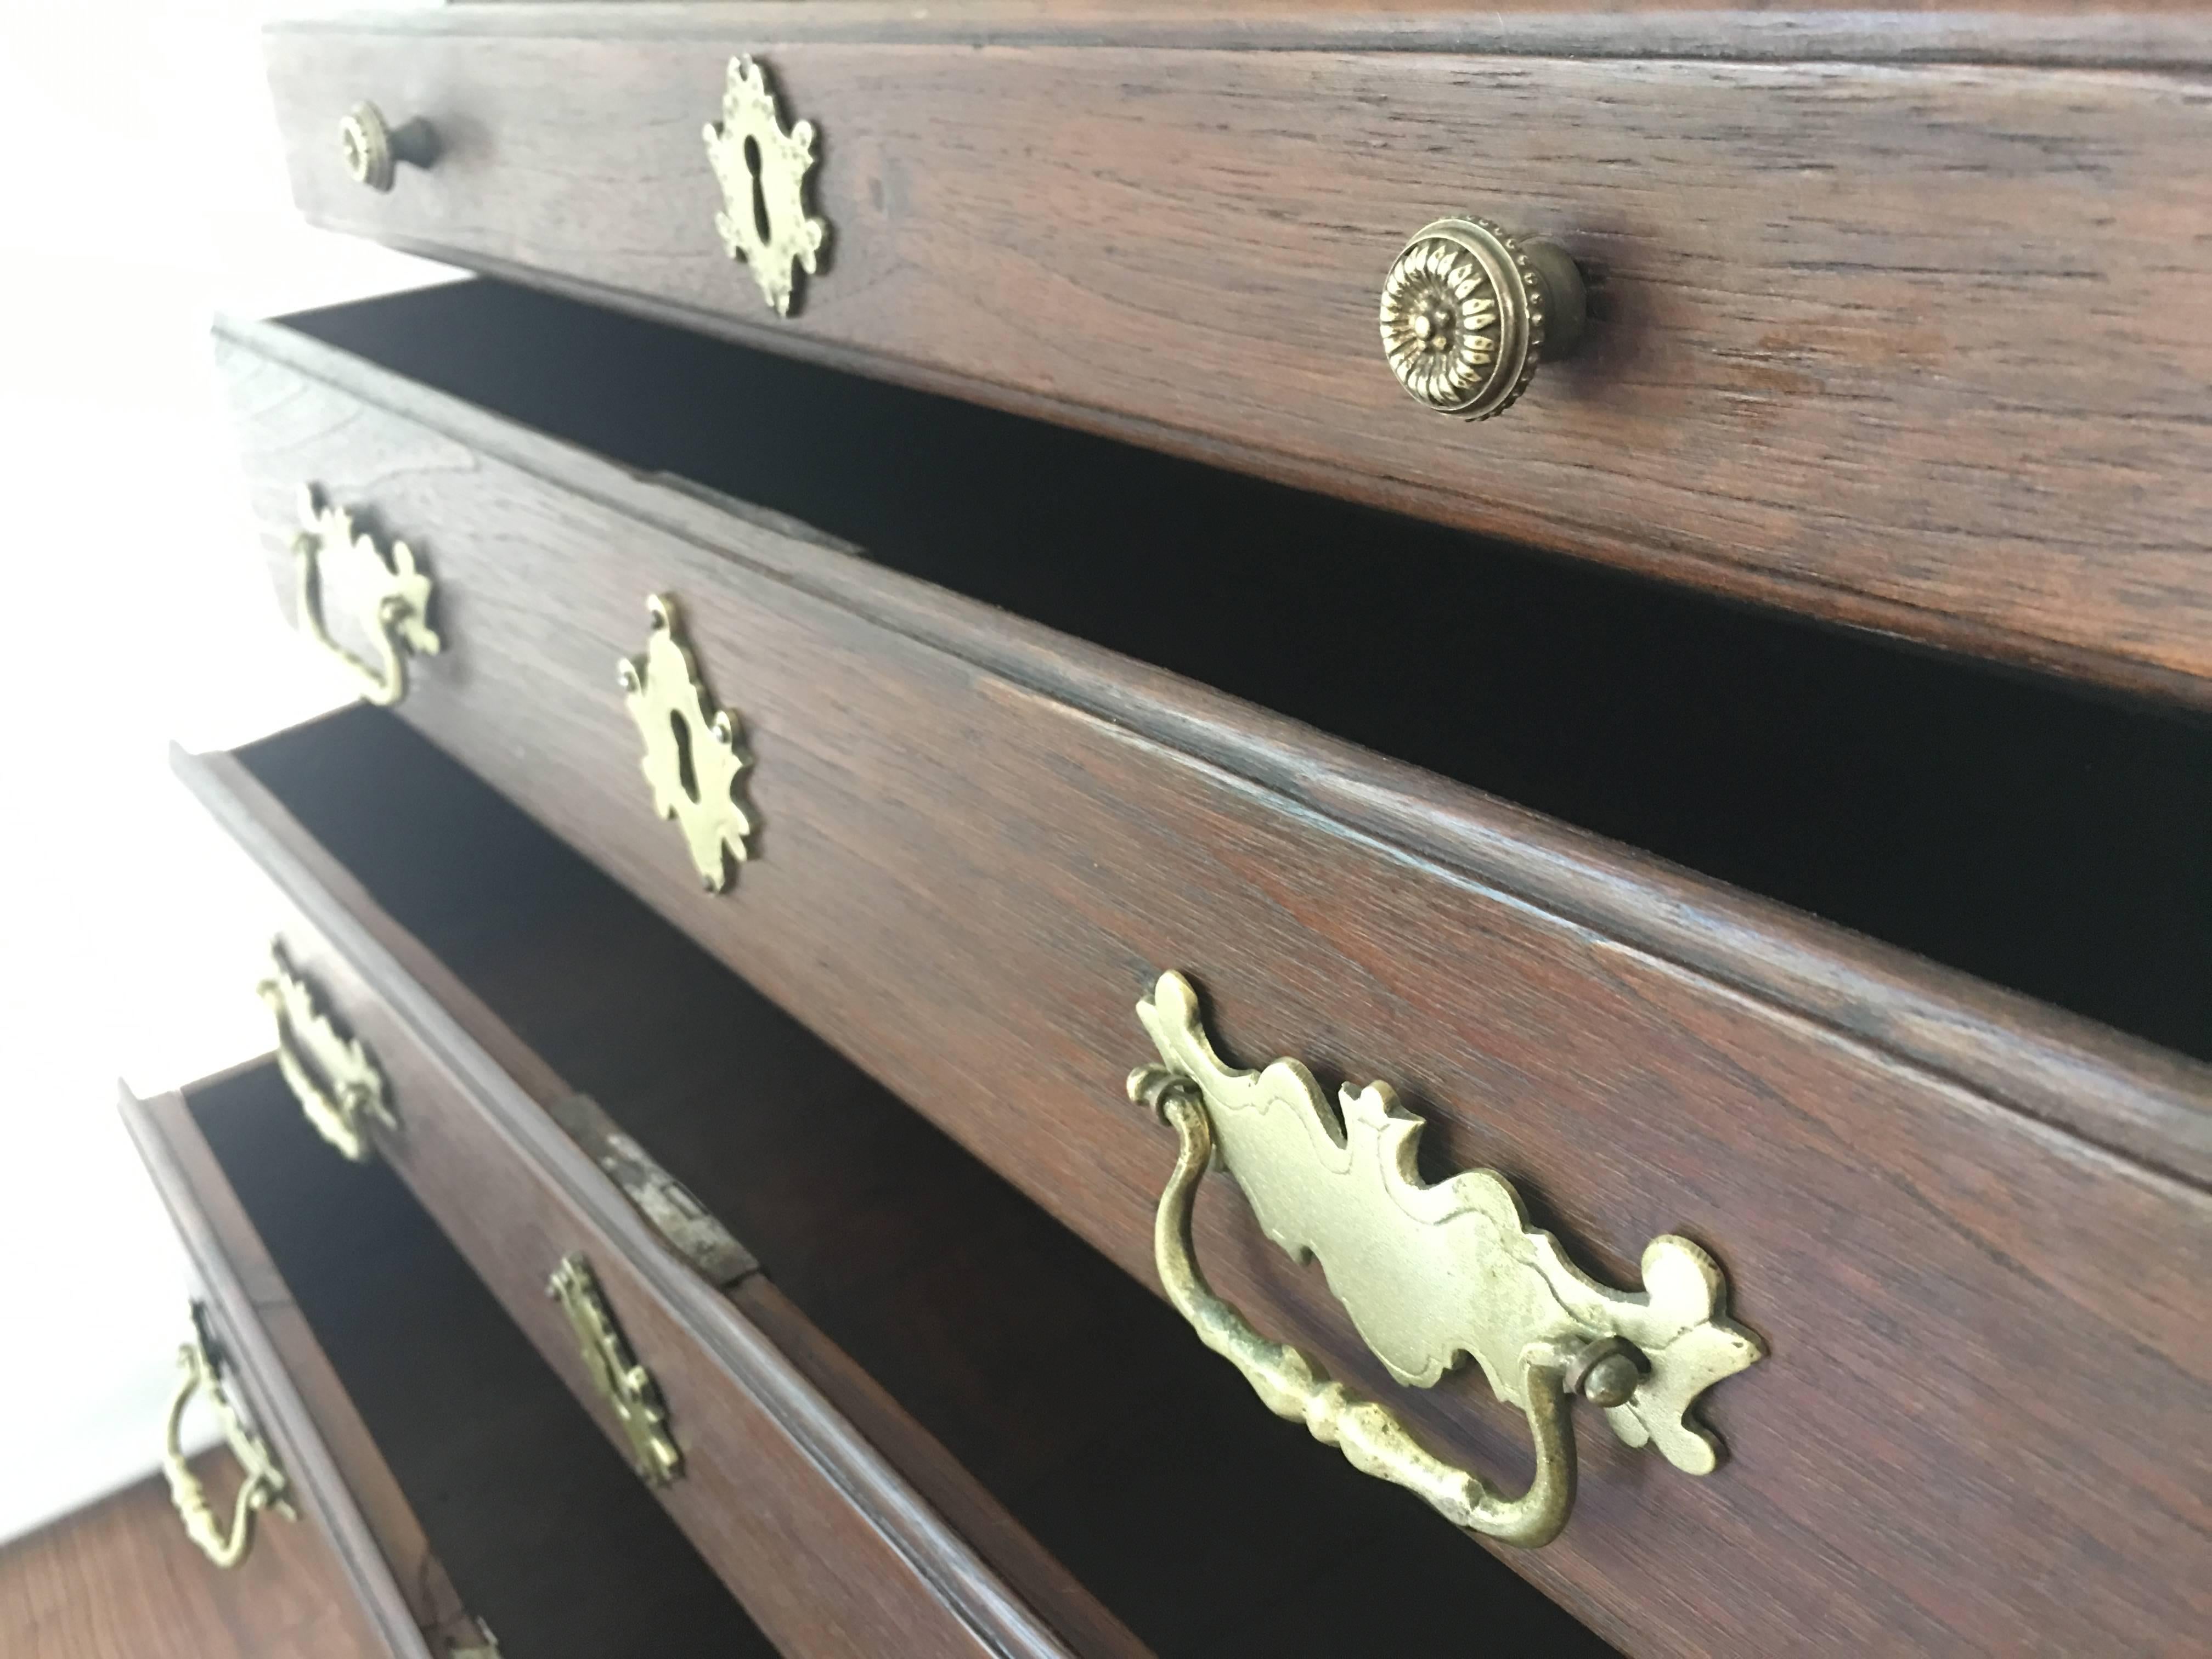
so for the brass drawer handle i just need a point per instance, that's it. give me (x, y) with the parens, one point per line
(264, 1485)
(624, 1384)
(336, 1080)
(395, 602)
(1428, 1274)
(1469, 310)
(373, 150)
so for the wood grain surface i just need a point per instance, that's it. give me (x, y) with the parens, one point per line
(1981, 1425)
(1915, 349)
(824, 1539)
(119, 1580)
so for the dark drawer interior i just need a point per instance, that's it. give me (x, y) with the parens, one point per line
(546, 1534)
(2047, 838)
(1084, 1404)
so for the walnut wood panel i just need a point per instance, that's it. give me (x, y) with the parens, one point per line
(1981, 1427)
(341, 1484)
(119, 1580)
(1915, 349)
(833, 1549)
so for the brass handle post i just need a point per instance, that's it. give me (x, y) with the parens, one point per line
(264, 1486)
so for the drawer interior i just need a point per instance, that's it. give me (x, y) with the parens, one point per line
(2045, 837)
(1209, 1527)
(546, 1534)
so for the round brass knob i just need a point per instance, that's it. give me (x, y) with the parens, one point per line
(1468, 311)
(372, 151)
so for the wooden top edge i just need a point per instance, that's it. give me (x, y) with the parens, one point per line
(2127, 1095)
(2051, 33)
(157, 1125)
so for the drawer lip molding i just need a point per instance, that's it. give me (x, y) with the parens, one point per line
(1795, 383)
(421, 996)
(1972, 1304)
(2127, 1097)
(185, 1173)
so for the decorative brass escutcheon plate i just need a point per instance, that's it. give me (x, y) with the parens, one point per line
(200, 1372)
(392, 595)
(622, 1381)
(1428, 1274)
(695, 757)
(762, 169)
(337, 1081)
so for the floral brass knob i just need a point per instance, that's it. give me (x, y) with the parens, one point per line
(372, 151)
(1469, 310)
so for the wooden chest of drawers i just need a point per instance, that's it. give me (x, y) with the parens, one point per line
(1833, 1013)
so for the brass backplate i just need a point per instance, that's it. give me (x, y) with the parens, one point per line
(624, 1384)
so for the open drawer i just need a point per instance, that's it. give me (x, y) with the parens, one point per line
(1948, 1183)
(462, 1492)
(838, 1521)
(876, 1429)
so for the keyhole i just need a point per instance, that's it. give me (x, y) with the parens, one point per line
(684, 774)
(760, 195)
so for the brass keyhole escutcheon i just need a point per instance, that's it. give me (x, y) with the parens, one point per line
(762, 169)
(695, 756)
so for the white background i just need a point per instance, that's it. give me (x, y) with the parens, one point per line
(143, 192)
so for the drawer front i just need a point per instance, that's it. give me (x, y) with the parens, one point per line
(827, 1545)
(1983, 1379)
(403, 1603)
(1914, 347)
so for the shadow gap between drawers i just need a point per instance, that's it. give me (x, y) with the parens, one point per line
(1181, 1504)
(2045, 837)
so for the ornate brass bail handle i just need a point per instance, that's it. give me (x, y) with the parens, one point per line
(337, 1081)
(1428, 1274)
(264, 1486)
(395, 603)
